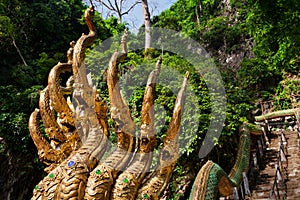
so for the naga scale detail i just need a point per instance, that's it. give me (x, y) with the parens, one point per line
(76, 169)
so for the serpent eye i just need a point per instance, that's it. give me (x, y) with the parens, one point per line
(145, 141)
(165, 155)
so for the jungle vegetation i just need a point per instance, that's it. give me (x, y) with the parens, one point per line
(254, 44)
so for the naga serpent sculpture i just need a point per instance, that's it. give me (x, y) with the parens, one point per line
(277, 114)
(76, 169)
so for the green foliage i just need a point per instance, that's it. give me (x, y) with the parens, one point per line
(273, 26)
(255, 75)
(18, 155)
(287, 92)
(14, 118)
(42, 30)
(35, 27)
(53, 24)
(203, 21)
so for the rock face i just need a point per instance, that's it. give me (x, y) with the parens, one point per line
(233, 45)
(232, 59)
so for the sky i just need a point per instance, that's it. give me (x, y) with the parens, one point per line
(135, 17)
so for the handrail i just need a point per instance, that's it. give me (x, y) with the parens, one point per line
(298, 128)
(292, 99)
(298, 131)
(279, 178)
(243, 190)
(275, 191)
(279, 186)
(274, 195)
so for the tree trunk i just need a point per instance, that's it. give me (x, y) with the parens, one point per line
(147, 23)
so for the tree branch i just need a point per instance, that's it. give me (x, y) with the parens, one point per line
(117, 6)
(18, 50)
(131, 7)
(112, 6)
(109, 7)
(118, 10)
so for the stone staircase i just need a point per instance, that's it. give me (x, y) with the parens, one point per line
(293, 169)
(289, 188)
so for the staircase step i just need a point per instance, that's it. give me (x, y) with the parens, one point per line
(291, 171)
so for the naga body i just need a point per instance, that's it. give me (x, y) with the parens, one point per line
(76, 167)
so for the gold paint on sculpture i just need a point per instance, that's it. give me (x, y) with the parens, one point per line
(79, 135)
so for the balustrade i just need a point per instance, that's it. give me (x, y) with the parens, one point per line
(279, 187)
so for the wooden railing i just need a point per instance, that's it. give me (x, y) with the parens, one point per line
(283, 103)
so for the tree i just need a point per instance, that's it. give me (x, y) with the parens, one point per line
(34, 36)
(7, 29)
(147, 23)
(274, 26)
(29, 35)
(119, 7)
